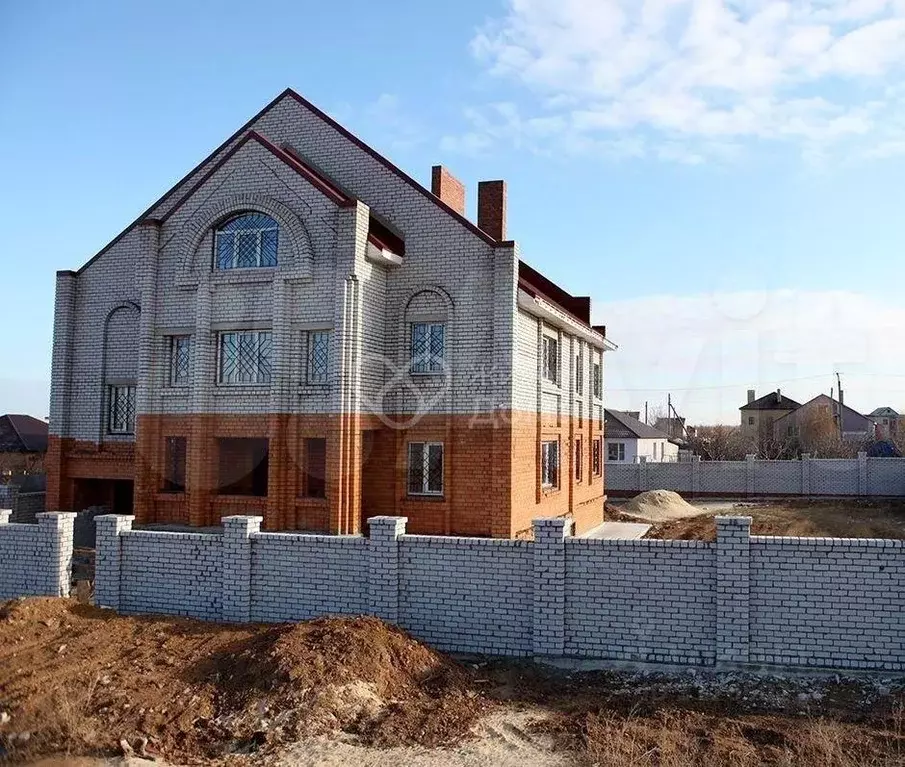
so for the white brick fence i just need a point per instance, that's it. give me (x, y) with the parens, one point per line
(788, 601)
(861, 476)
(794, 601)
(36, 560)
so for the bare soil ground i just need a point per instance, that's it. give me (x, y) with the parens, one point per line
(853, 518)
(77, 682)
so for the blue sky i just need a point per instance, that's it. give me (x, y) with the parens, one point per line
(725, 180)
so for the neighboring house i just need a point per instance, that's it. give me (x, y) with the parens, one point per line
(886, 421)
(628, 439)
(23, 443)
(673, 426)
(854, 425)
(759, 413)
(300, 330)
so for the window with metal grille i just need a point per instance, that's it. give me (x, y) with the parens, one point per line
(175, 453)
(597, 382)
(579, 373)
(549, 463)
(579, 467)
(550, 368)
(246, 241)
(595, 458)
(180, 357)
(425, 468)
(121, 409)
(314, 475)
(318, 357)
(245, 357)
(428, 347)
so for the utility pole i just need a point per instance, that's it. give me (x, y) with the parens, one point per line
(645, 413)
(841, 403)
(668, 411)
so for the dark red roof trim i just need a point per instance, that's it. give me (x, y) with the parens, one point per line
(385, 237)
(390, 166)
(192, 172)
(578, 306)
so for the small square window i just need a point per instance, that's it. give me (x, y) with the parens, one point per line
(750, 420)
(245, 357)
(550, 369)
(425, 469)
(616, 451)
(428, 347)
(550, 464)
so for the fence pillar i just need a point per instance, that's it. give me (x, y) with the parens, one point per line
(56, 545)
(642, 473)
(383, 566)
(862, 473)
(749, 474)
(733, 580)
(236, 548)
(5, 514)
(108, 558)
(695, 474)
(805, 473)
(549, 619)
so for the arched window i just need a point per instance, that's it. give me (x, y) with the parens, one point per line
(246, 241)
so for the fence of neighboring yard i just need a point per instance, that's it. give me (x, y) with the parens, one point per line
(861, 476)
(25, 506)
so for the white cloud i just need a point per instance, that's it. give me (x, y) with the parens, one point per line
(814, 73)
(707, 350)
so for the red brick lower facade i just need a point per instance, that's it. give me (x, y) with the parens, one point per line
(492, 484)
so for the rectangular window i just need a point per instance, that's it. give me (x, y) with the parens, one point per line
(121, 409)
(579, 373)
(550, 369)
(180, 357)
(750, 420)
(243, 464)
(425, 468)
(428, 347)
(175, 452)
(595, 457)
(579, 461)
(314, 475)
(245, 357)
(616, 451)
(597, 382)
(549, 464)
(318, 357)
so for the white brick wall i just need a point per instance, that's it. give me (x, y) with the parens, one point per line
(36, 559)
(788, 601)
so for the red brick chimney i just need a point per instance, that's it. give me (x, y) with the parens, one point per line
(448, 188)
(492, 208)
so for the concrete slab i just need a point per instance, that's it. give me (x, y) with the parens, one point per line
(618, 531)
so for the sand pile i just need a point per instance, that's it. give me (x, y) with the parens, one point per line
(659, 506)
(78, 680)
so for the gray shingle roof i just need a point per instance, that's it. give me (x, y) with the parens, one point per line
(22, 434)
(618, 423)
(772, 402)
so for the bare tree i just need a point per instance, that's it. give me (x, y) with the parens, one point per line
(719, 443)
(818, 434)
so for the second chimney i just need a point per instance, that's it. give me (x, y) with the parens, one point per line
(492, 208)
(750, 396)
(448, 188)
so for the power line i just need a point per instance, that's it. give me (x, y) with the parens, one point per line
(743, 385)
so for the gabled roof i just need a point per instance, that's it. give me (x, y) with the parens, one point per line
(772, 401)
(884, 412)
(846, 410)
(578, 307)
(618, 423)
(22, 434)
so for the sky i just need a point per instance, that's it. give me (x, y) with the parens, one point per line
(724, 179)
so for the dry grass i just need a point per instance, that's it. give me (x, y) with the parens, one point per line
(691, 739)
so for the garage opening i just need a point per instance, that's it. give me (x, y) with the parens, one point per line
(244, 464)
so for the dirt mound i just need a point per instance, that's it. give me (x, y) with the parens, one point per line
(659, 506)
(78, 680)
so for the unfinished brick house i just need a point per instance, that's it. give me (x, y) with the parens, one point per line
(298, 329)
